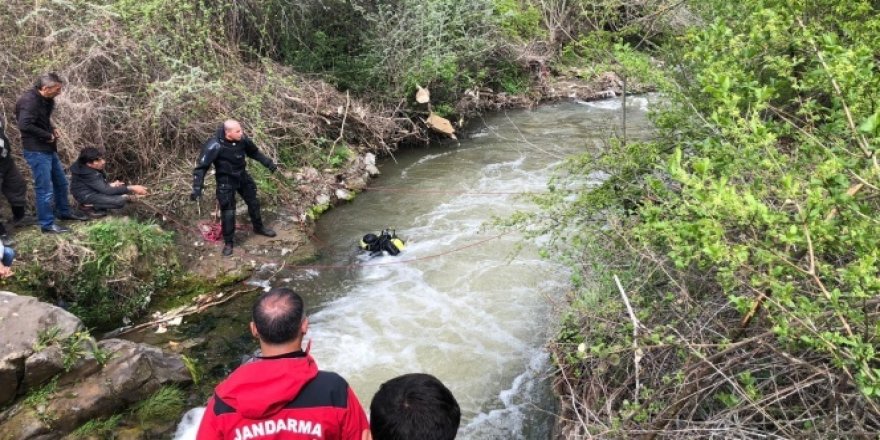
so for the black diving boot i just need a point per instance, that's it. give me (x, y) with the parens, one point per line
(257, 222)
(227, 224)
(262, 230)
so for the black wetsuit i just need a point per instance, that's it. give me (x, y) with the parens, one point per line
(230, 164)
(381, 243)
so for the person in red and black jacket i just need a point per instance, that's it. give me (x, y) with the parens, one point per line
(282, 394)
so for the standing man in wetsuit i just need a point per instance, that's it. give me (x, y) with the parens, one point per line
(227, 151)
(282, 395)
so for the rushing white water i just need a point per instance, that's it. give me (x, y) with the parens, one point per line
(465, 302)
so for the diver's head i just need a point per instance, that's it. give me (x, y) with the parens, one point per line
(368, 240)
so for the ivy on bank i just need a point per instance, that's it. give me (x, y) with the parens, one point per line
(747, 232)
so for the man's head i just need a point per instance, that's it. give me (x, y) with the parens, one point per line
(414, 406)
(49, 85)
(368, 241)
(92, 158)
(278, 319)
(232, 130)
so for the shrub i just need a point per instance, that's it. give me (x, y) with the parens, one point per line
(750, 223)
(106, 271)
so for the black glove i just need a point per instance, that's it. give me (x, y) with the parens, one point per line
(273, 168)
(195, 195)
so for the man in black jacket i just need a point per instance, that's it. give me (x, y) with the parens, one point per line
(12, 185)
(227, 151)
(39, 139)
(88, 183)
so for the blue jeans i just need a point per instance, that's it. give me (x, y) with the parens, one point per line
(8, 256)
(50, 184)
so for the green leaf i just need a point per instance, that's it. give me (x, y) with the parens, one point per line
(869, 126)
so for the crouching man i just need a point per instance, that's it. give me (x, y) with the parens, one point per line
(90, 188)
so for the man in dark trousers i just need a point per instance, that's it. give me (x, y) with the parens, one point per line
(227, 151)
(414, 406)
(12, 185)
(39, 140)
(281, 394)
(88, 184)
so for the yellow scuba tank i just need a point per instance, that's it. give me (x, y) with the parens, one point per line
(392, 237)
(398, 243)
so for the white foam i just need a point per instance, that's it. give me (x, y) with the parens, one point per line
(632, 102)
(189, 425)
(428, 158)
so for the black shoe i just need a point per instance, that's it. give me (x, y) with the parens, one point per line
(265, 231)
(55, 229)
(7, 240)
(96, 213)
(227, 249)
(72, 215)
(25, 220)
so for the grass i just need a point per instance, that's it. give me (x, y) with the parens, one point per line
(163, 406)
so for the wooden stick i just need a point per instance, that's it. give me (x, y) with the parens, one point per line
(637, 352)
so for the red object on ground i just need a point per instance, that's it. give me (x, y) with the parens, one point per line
(211, 231)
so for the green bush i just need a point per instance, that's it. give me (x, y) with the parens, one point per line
(751, 223)
(105, 271)
(519, 19)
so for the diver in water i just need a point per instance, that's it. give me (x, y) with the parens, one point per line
(387, 241)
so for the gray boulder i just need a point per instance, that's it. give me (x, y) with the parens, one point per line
(25, 320)
(63, 378)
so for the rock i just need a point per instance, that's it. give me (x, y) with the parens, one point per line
(356, 184)
(31, 354)
(25, 320)
(42, 366)
(322, 199)
(372, 170)
(9, 379)
(344, 194)
(369, 159)
(133, 373)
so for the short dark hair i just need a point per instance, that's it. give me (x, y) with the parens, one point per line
(414, 406)
(88, 155)
(48, 80)
(277, 314)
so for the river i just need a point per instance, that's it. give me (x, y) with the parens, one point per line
(465, 301)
